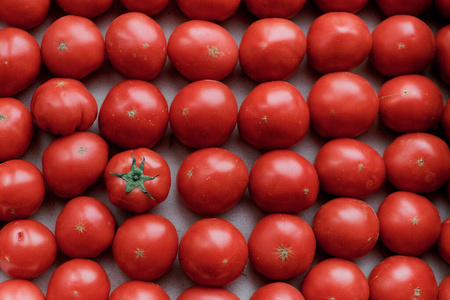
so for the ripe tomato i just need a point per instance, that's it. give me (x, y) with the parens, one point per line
(28, 249)
(63, 105)
(145, 246)
(277, 290)
(442, 59)
(338, 277)
(351, 6)
(137, 180)
(198, 292)
(402, 277)
(213, 252)
(79, 278)
(443, 243)
(20, 289)
(136, 46)
(133, 114)
(418, 162)
(24, 14)
(283, 181)
(73, 47)
(410, 103)
(203, 114)
(84, 228)
(342, 105)
(346, 228)
(72, 163)
(443, 7)
(84, 8)
(273, 115)
(445, 120)
(201, 49)
(281, 246)
(212, 180)
(275, 8)
(16, 127)
(136, 289)
(272, 49)
(22, 189)
(210, 10)
(444, 289)
(403, 7)
(402, 44)
(349, 168)
(20, 58)
(147, 7)
(337, 41)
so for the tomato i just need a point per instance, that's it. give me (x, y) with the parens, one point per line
(336, 277)
(404, 7)
(210, 10)
(342, 105)
(337, 41)
(402, 277)
(272, 49)
(212, 180)
(273, 115)
(213, 252)
(352, 6)
(72, 163)
(277, 290)
(85, 227)
(445, 121)
(145, 246)
(79, 278)
(16, 127)
(201, 49)
(20, 289)
(133, 114)
(346, 228)
(73, 46)
(402, 44)
(275, 8)
(85, 8)
(198, 292)
(418, 162)
(410, 103)
(443, 243)
(283, 181)
(444, 289)
(442, 59)
(21, 60)
(281, 246)
(349, 168)
(23, 14)
(28, 249)
(147, 7)
(137, 180)
(22, 189)
(136, 46)
(63, 105)
(136, 289)
(443, 7)
(203, 114)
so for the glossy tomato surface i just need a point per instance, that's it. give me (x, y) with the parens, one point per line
(275, 8)
(147, 7)
(24, 14)
(198, 292)
(442, 60)
(443, 243)
(136, 289)
(209, 10)
(352, 6)
(20, 289)
(277, 290)
(85, 8)
(444, 289)
(404, 7)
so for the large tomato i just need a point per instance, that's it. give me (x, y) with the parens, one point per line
(275, 8)
(20, 289)
(443, 244)
(443, 6)
(136, 289)
(23, 14)
(444, 289)
(404, 7)
(144, 6)
(84, 8)
(442, 59)
(210, 10)
(198, 292)
(352, 6)
(277, 290)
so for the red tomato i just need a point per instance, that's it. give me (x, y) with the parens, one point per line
(443, 7)
(212, 180)
(133, 114)
(273, 115)
(402, 44)
(22, 189)
(445, 120)
(281, 246)
(443, 244)
(73, 47)
(136, 289)
(21, 60)
(203, 114)
(210, 10)
(402, 277)
(442, 59)
(79, 278)
(28, 249)
(213, 252)
(404, 7)
(337, 41)
(145, 246)
(72, 163)
(144, 6)
(136, 46)
(283, 181)
(16, 127)
(352, 6)
(137, 180)
(417, 162)
(349, 168)
(338, 277)
(85, 227)
(277, 290)
(342, 104)
(84, 8)
(198, 292)
(410, 103)
(346, 228)
(20, 289)
(444, 289)
(23, 14)
(275, 8)
(201, 49)
(272, 49)
(63, 105)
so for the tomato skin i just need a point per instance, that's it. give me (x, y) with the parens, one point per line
(213, 252)
(410, 103)
(445, 121)
(275, 8)
(85, 8)
(443, 243)
(444, 289)
(66, 98)
(21, 57)
(136, 289)
(136, 46)
(28, 249)
(443, 6)
(442, 59)
(20, 289)
(404, 7)
(277, 290)
(149, 8)
(16, 127)
(198, 292)
(23, 14)
(209, 10)
(351, 6)
(272, 49)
